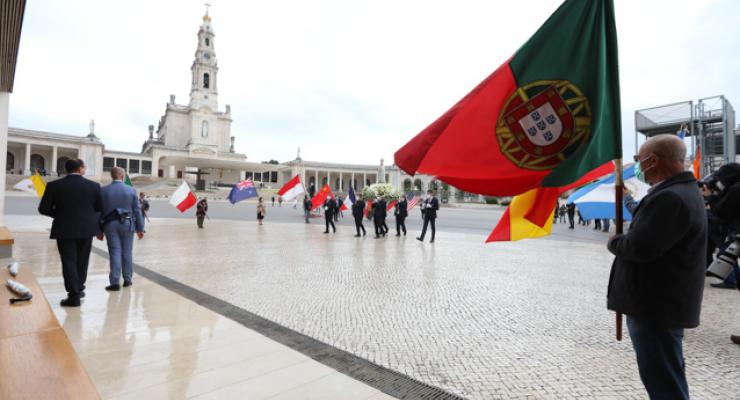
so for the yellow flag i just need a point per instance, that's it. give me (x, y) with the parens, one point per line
(38, 184)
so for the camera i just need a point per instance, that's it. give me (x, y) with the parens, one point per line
(722, 266)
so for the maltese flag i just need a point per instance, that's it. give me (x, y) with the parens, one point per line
(183, 198)
(290, 190)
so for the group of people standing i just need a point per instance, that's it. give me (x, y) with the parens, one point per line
(81, 210)
(378, 212)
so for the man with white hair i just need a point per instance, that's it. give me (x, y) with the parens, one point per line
(657, 278)
(121, 217)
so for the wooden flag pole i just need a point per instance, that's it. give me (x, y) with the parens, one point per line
(619, 220)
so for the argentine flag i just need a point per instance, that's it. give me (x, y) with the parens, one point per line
(596, 201)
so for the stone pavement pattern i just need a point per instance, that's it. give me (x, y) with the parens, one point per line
(146, 342)
(509, 320)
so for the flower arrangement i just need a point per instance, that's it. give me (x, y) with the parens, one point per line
(385, 190)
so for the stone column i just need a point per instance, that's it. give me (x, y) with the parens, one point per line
(53, 168)
(352, 181)
(4, 103)
(364, 179)
(242, 175)
(316, 179)
(27, 162)
(341, 182)
(328, 179)
(172, 173)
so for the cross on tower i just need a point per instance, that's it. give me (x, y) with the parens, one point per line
(208, 7)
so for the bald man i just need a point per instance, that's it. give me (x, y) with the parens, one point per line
(657, 278)
(120, 219)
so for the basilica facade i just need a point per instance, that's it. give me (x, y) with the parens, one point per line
(192, 141)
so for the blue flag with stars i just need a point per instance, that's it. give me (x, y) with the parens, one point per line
(242, 191)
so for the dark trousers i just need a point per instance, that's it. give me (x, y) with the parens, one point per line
(660, 359)
(359, 226)
(571, 219)
(428, 221)
(75, 255)
(200, 219)
(330, 221)
(380, 226)
(400, 225)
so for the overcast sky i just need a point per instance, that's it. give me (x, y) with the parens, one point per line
(347, 81)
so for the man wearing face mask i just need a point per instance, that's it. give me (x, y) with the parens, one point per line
(657, 278)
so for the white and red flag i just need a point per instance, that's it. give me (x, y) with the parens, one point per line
(349, 200)
(293, 188)
(183, 198)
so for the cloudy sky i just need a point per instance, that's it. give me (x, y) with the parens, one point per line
(347, 81)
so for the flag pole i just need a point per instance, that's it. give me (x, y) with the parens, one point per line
(619, 220)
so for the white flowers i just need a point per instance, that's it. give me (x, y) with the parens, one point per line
(385, 190)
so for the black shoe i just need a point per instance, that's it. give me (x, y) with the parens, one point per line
(358, 235)
(113, 288)
(376, 237)
(82, 294)
(735, 339)
(722, 285)
(398, 234)
(420, 239)
(127, 284)
(431, 241)
(326, 231)
(70, 302)
(364, 233)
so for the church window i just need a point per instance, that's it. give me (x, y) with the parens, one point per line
(206, 81)
(204, 129)
(208, 42)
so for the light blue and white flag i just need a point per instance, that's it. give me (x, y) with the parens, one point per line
(596, 200)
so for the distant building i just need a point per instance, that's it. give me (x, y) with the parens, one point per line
(194, 140)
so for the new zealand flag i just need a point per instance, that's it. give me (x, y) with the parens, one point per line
(242, 191)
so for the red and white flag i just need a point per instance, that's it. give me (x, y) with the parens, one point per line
(183, 198)
(293, 188)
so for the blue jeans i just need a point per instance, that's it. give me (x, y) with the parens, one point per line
(120, 238)
(660, 359)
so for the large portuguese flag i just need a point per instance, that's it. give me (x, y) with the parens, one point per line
(546, 117)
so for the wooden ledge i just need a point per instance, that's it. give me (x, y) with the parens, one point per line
(5, 236)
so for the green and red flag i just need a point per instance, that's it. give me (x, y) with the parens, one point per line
(127, 181)
(544, 118)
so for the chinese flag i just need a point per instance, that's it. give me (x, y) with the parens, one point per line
(318, 199)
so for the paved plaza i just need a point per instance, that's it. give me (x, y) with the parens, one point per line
(507, 320)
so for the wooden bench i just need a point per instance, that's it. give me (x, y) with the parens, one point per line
(37, 360)
(6, 243)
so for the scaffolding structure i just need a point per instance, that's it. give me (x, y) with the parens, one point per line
(710, 128)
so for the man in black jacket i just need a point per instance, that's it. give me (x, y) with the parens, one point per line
(401, 212)
(657, 278)
(429, 207)
(379, 214)
(330, 208)
(358, 211)
(75, 204)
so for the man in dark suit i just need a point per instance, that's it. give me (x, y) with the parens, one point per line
(358, 211)
(330, 207)
(657, 278)
(401, 212)
(430, 207)
(379, 214)
(75, 204)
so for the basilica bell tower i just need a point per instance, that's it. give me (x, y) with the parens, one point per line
(203, 91)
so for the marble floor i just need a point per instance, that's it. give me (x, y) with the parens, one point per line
(506, 321)
(146, 342)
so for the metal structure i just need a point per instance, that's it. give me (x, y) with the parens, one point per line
(710, 124)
